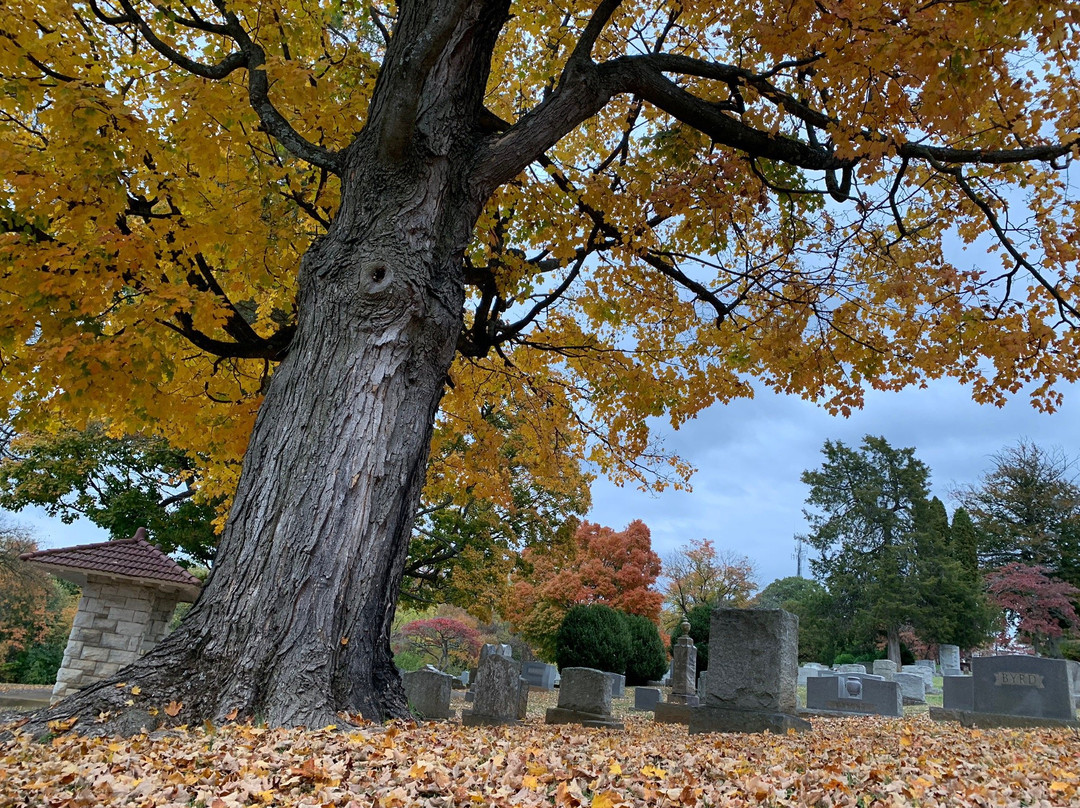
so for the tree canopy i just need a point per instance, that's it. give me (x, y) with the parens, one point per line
(356, 219)
(1026, 510)
(662, 232)
(697, 574)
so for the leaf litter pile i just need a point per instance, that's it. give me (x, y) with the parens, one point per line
(845, 762)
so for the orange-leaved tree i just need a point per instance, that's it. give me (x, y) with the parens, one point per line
(339, 216)
(24, 593)
(600, 565)
(698, 575)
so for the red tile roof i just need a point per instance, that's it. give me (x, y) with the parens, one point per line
(131, 558)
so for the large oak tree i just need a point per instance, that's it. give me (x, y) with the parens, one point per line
(605, 210)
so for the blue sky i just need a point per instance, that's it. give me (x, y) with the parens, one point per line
(747, 496)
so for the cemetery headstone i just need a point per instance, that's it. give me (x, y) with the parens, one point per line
(539, 674)
(949, 657)
(1074, 681)
(753, 669)
(807, 672)
(497, 692)
(1014, 691)
(1022, 685)
(584, 698)
(884, 668)
(702, 680)
(912, 687)
(428, 692)
(646, 698)
(958, 693)
(684, 669)
(618, 685)
(926, 673)
(927, 663)
(851, 667)
(854, 694)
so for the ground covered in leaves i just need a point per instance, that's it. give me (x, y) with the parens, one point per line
(846, 762)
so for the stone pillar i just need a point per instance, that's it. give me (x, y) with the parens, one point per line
(684, 670)
(753, 670)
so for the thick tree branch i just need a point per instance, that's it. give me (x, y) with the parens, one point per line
(420, 36)
(250, 56)
(272, 348)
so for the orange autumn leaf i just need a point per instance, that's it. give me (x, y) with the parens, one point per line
(172, 709)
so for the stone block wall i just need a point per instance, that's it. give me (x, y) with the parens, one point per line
(115, 624)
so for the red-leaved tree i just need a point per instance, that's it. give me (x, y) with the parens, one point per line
(441, 641)
(1037, 607)
(602, 565)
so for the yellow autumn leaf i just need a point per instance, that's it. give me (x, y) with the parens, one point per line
(607, 799)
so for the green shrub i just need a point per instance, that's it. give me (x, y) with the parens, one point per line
(844, 659)
(647, 660)
(592, 636)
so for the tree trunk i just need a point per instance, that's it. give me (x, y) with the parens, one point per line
(893, 638)
(293, 624)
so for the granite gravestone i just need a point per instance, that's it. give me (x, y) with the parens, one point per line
(958, 693)
(854, 694)
(584, 698)
(1012, 691)
(885, 668)
(646, 698)
(851, 667)
(949, 657)
(683, 674)
(539, 674)
(497, 692)
(912, 687)
(1022, 685)
(753, 669)
(618, 685)
(428, 692)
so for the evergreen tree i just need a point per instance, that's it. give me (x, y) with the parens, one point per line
(965, 541)
(864, 526)
(952, 607)
(1027, 510)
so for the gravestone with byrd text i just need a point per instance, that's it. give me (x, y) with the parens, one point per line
(1015, 691)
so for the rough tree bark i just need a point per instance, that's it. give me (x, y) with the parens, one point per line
(293, 625)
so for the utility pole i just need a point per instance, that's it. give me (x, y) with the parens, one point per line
(798, 555)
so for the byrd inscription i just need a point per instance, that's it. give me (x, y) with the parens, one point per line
(1023, 679)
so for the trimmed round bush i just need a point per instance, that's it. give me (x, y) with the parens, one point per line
(647, 660)
(592, 636)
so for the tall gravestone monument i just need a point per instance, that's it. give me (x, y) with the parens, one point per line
(683, 696)
(753, 669)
